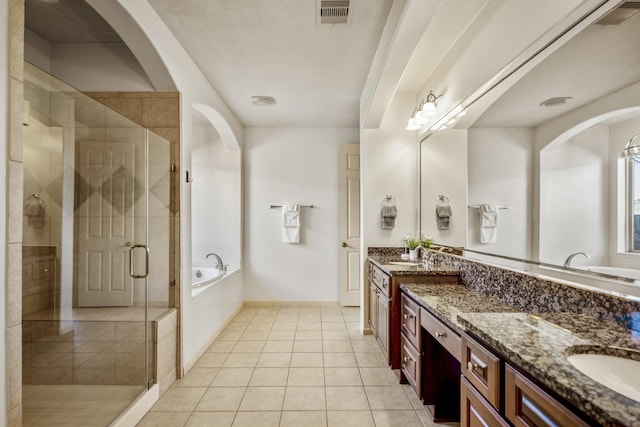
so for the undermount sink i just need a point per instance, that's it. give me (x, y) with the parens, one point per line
(620, 374)
(406, 263)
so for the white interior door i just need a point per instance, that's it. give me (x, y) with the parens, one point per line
(105, 218)
(350, 224)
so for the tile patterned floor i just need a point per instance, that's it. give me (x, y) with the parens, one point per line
(290, 366)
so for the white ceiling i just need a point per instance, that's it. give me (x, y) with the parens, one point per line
(315, 72)
(598, 61)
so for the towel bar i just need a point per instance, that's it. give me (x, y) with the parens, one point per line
(478, 206)
(302, 206)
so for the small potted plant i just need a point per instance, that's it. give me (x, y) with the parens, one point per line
(413, 244)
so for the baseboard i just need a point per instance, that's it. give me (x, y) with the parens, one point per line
(189, 364)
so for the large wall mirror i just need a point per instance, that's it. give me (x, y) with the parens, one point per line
(547, 155)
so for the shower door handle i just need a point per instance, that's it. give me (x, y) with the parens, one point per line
(146, 261)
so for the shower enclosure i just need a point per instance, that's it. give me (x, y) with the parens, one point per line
(97, 239)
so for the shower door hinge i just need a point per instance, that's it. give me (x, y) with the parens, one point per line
(172, 283)
(173, 167)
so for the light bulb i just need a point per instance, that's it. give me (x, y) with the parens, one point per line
(413, 125)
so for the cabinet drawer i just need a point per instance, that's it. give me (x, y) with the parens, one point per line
(381, 279)
(526, 405)
(410, 318)
(482, 369)
(441, 332)
(475, 411)
(411, 364)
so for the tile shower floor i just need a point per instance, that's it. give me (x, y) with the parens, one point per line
(290, 366)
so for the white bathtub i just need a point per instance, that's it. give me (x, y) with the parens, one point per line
(631, 273)
(202, 276)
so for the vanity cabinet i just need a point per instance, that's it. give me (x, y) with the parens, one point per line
(411, 344)
(493, 393)
(385, 307)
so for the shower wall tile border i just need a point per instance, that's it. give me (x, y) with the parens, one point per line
(528, 293)
(14, 283)
(14, 183)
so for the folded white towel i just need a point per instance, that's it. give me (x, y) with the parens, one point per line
(488, 223)
(290, 223)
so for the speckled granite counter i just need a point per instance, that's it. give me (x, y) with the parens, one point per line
(384, 262)
(538, 345)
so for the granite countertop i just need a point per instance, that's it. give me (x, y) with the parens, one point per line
(538, 344)
(384, 262)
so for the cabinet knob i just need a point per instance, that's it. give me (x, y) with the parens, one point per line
(442, 335)
(472, 366)
(408, 316)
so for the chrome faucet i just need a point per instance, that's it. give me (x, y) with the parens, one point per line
(219, 264)
(567, 262)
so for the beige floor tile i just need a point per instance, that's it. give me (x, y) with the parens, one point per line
(332, 317)
(257, 419)
(365, 346)
(229, 336)
(211, 360)
(278, 347)
(284, 326)
(304, 399)
(254, 336)
(339, 360)
(307, 347)
(164, 419)
(309, 326)
(342, 376)
(232, 377)
(337, 346)
(248, 347)
(308, 317)
(179, 399)
(396, 419)
(274, 360)
(269, 377)
(413, 397)
(378, 376)
(387, 398)
(279, 335)
(241, 360)
(334, 326)
(257, 325)
(221, 399)
(305, 377)
(303, 418)
(210, 419)
(287, 317)
(221, 346)
(347, 399)
(263, 399)
(308, 335)
(350, 419)
(335, 336)
(370, 360)
(236, 326)
(307, 360)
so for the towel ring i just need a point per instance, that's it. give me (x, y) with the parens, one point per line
(442, 199)
(389, 200)
(31, 198)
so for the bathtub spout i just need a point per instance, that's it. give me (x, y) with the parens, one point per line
(219, 264)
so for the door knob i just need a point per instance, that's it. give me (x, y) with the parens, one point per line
(344, 244)
(127, 244)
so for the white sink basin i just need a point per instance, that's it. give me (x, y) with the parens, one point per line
(617, 373)
(407, 263)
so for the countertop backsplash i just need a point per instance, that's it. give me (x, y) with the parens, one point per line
(529, 293)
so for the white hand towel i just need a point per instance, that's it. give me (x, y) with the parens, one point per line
(290, 223)
(488, 223)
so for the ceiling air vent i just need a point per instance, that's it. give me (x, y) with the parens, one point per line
(558, 100)
(334, 11)
(620, 14)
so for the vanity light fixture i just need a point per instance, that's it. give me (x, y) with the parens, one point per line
(422, 114)
(632, 151)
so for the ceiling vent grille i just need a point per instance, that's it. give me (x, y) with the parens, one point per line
(334, 11)
(558, 100)
(620, 14)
